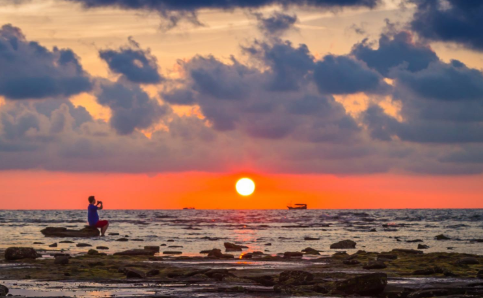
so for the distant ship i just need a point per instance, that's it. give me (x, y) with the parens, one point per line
(297, 206)
(189, 208)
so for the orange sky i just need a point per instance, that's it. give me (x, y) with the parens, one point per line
(50, 190)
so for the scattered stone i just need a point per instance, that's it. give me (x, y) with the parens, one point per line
(61, 260)
(175, 246)
(86, 232)
(168, 252)
(268, 244)
(441, 237)
(152, 272)
(407, 251)
(264, 280)
(233, 247)
(351, 262)
(367, 284)
(83, 245)
(374, 265)
(18, 253)
(3, 290)
(311, 239)
(113, 234)
(311, 251)
(386, 257)
(92, 252)
(428, 271)
(137, 239)
(53, 245)
(170, 240)
(344, 244)
(422, 246)
(156, 259)
(39, 243)
(413, 241)
(295, 278)
(467, 261)
(102, 247)
(294, 254)
(135, 252)
(152, 248)
(163, 245)
(134, 273)
(122, 239)
(66, 241)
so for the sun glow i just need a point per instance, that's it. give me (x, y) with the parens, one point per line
(245, 186)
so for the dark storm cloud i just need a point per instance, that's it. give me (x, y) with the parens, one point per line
(456, 21)
(276, 24)
(397, 50)
(344, 75)
(31, 71)
(136, 64)
(131, 107)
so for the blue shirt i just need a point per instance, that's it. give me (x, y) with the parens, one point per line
(92, 216)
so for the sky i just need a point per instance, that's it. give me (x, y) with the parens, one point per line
(166, 104)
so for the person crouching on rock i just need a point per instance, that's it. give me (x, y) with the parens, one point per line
(93, 217)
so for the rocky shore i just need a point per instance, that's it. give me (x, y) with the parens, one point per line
(398, 273)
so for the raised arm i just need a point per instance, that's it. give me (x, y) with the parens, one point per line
(100, 207)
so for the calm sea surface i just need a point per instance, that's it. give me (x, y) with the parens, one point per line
(196, 230)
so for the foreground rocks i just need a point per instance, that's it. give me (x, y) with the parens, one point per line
(3, 290)
(136, 252)
(86, 232)
(369, 284)
(344, 244)
(19, 253)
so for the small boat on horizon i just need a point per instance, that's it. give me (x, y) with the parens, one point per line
(297, 206)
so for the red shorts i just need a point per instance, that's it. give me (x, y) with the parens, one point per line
(101, 223)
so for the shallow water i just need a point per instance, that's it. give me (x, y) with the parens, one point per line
(197, 230)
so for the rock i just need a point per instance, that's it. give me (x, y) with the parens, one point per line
(175, 246)
(218, 274)
(92, 252)
(428, 271)
(429, 293)
(169, 252)
(122, 239)
(294, 254)
(18, 253)
(62, 260)
(135, 252)
(39, 243)
(467, 261)
(102, 247)
(137, 239)
(53, 245)
(134, 273)
(86, 232)
(311, 251)
(3, 290)
(233, 247)
(413, 241)
(113, 234)
(153, 248)
(83, 245)
(479, 274)
(374, 265)
(344, 244)
(422, 246)
(386, 257)
(264, 280)
(66, 241)
(311, 239)
(441, 237)
(295, 278)
(152, 272)
(407, 251)
(367, 284)
(351, 262)
(268, 244)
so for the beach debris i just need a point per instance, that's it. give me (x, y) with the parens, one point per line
(233, 247)
(86, 232)
(18, 253)
(135, 252)
(441, 237)
(374, 265)
(422, 246)
(367, 284)
(310, 251)
(83, 245)
(152, 248)
(344, 244)
(61, 260)
(3, 290)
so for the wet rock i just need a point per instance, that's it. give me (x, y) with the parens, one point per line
(3, 290)
(135, 252)
(480, 274)
(429, 293)
(153, 248)
(344, 244)
(83, 245)
(351, 262)
(264, 280)
(175, 246)
(295, 278)
(467, 261)
(66, 241)
(294, 254)
(53, 245)
(152, 272)
(113, 234)
(86, 232)
(219, 274)
(311, 251)
(310, 239)
(134, 273)
(39, 243)
(102, 247)
(233, 247)
(422, 246)
(441, 237)
(156, 259)
(448, 273)
(18, 253)
(386, 257)
(413, 241)
(250, 255)
(169, 252)
(92, 252)
(368, 284)
(122, 239)
(374, 265)
(407, 251)
(268, 244)
(61, 260)
(163, 244)
(428, 271)
(170, 240)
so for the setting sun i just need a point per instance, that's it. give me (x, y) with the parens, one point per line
(245, 186)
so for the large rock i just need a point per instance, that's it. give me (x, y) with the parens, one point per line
(374, 265)
(292, 254)
(86, 232)
(61, 260)
(311, 251)
(153, 248)
(468, 261)
(3, 290)
(344, 244)
(233, 247)
(135, 252)
(441, 237)
(368, 284)
(18, 253)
